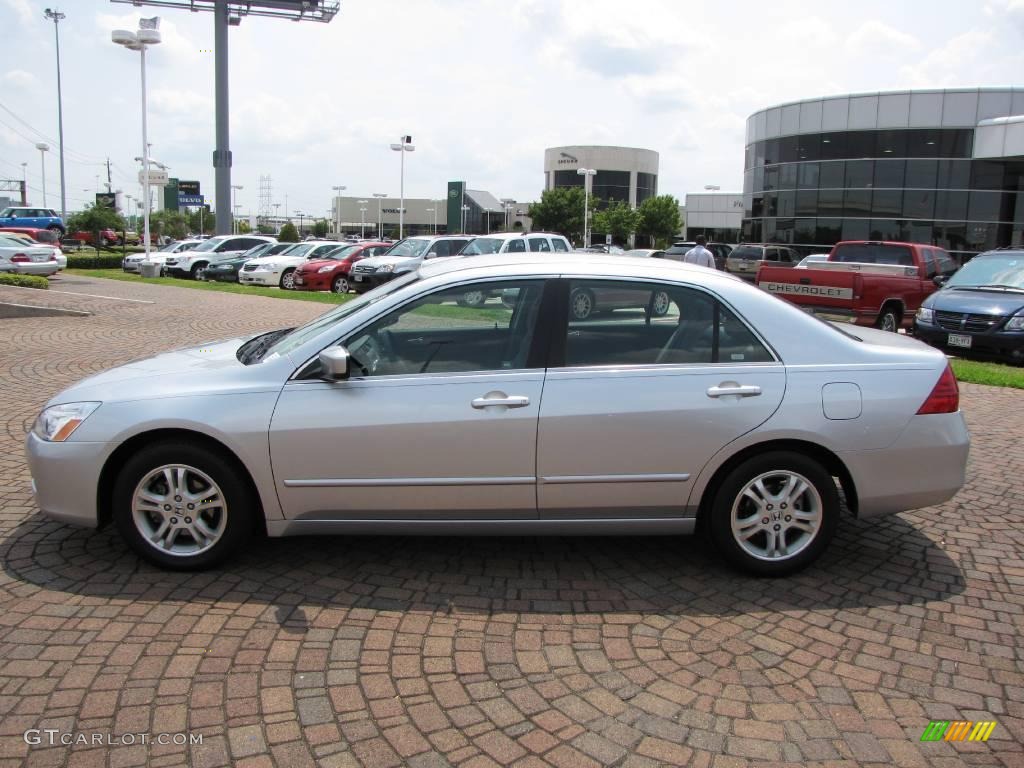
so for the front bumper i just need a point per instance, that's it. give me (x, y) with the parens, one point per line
(221, 275)
(259, 277)
(363, 282)
(314, 281)
(998, 345)
(64, 479)
(130, 266)
(176, 271)
(926, 465)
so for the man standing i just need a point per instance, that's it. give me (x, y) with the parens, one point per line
(700, 255)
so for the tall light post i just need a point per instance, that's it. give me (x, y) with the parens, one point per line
(508, 208)
(380, 225)
(404, 145)
(487, 213)
(336, 209)
(587, 174)
(300, 214)
(464, 209)
(234, 206)
(24, 183)
(362, 221)
(56, 17)
(128, 209)
(433, 211)
(145, 36)
(43, 148)
(277, 216)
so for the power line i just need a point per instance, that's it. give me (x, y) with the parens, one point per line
(42, 135)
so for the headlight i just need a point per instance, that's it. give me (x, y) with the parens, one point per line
(1016, 323)
(925, 315)
(327, 268)
(386, 268)
(272, 265)
(56, 423)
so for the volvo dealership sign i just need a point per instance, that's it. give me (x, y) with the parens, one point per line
(189, 193)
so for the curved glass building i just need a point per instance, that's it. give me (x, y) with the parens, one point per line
(939, 167)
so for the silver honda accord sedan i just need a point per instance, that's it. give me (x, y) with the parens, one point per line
(402, 411)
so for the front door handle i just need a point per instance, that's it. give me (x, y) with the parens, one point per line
(500, 398)
(738, 390)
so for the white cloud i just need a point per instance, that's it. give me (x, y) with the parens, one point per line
(24, 10)
(19, 78)
(873, 38)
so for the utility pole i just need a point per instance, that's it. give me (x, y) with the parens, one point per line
(110, 184)
(56, 16)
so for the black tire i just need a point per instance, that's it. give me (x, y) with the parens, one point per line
(889, 319)
(56, 228)
(340, 284)
(581, 304)
(194, 273)
(288, 280)
(472, 299)
(240, 503)
(730, 492)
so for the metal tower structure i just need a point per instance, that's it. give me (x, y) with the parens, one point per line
(266, 199)
(230, 13)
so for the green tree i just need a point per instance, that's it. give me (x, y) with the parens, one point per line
(266, 229)
(288, 234)
(170, 223)
(95, 218)
(560, 210)
(618, 220)
(243, 227)
(320, 228)
(205, 222)
(659, 219)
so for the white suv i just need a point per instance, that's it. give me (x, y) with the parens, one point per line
(517, 242)
(191, 263)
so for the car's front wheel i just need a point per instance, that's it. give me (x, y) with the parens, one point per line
(196, 273)
(472, 299)
(182, 506)
(662, 303)
(581, 304)
(288, 280)
(340, 284)
(775, 513)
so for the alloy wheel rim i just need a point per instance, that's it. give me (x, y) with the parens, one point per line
(288, 280)
(661, 302)
(776, 515)
(474, 298)
(179, 510)
(341, 285)
(581, 305)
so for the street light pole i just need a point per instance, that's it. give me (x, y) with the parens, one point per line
(404, 145)
(362, 221)
(433, 211)
(336, 209)
(147, 35)
(234, 205)
(57, 17)
(464, 209)
(587, 174)
(380, 224)
(42, 162)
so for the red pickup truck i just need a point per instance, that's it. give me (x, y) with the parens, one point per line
(879, 283)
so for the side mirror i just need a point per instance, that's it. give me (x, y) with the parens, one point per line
(940, 280)
(334, 363)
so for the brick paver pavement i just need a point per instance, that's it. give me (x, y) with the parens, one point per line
(476, 652)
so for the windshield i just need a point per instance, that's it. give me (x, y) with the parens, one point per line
(1006, 271)
(481, 246)
(300, 249)
(299, 336)
(7, 213)
(258, 250)
(208, 245)
(408, 248)
(341, 252)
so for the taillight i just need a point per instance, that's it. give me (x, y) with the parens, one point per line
(945, 396)
(20, 258)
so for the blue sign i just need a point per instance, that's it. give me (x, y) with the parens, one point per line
(190, 200)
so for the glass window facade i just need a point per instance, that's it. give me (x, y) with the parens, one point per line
(919, 185)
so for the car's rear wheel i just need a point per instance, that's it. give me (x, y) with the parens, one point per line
(581, 304)
(340, 284)
(56, 228)
(661, 304)
(889, 319)
(775, 513)
(196, 273)
(288, 280)
(472, 299)
(182, 506)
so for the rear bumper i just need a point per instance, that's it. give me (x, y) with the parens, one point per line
(36, 268)
(927, 465)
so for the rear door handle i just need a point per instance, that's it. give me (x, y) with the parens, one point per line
(509, 401)
(738, 390)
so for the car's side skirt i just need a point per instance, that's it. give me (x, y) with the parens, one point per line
(666, 526)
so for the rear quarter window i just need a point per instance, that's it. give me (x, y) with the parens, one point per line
(747, 252)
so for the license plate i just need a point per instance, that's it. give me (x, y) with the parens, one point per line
(359, 278)
(958, 340)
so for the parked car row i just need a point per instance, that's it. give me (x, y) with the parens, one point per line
(30, 251)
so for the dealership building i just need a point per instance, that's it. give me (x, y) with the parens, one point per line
(623, 174)
(944, 167)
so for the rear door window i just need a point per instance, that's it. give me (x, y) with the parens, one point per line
(539, 244)
(560, 244)
(516, 246)
(747, 252)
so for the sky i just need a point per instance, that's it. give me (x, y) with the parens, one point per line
(482, 86)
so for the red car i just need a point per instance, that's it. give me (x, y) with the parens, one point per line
(45, 236)
(107, 237)
(331, 274)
